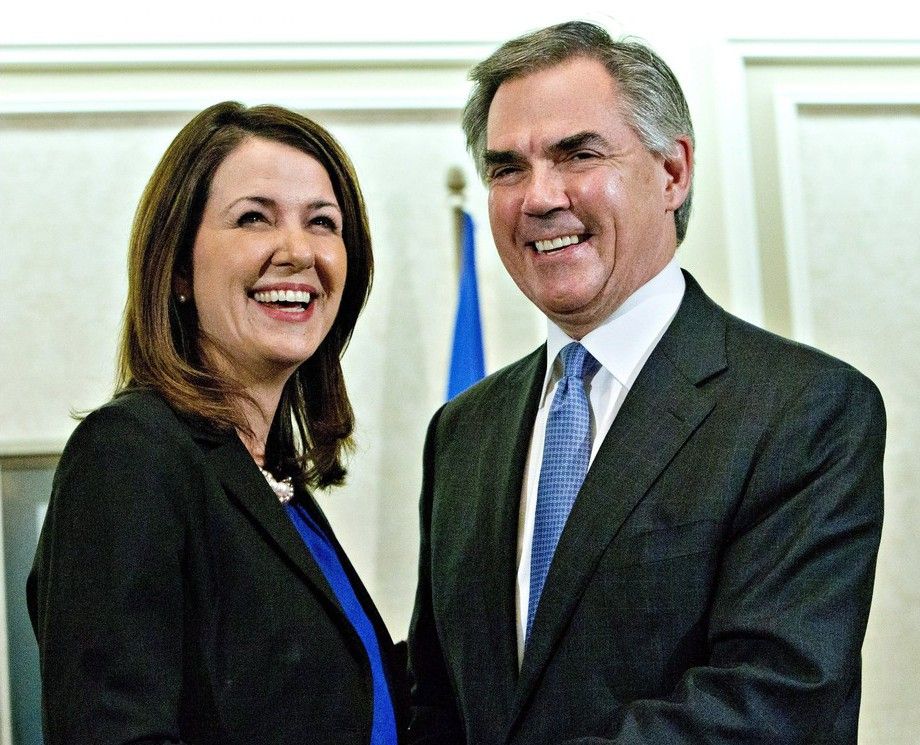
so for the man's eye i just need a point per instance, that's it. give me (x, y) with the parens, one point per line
(584, 155)
(503, 172)
(250, 218)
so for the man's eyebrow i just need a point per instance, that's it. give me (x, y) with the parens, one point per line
(578, 141)
(493, 158)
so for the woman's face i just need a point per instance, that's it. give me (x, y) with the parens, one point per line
(268, 263)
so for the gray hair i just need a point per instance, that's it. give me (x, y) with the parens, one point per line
(655, 104)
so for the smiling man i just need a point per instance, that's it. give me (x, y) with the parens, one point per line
(661, 526)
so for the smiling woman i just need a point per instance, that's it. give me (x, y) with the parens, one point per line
(271, 226)
(187, 587)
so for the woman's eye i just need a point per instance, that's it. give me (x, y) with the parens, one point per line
(250, 218)
(327, 222)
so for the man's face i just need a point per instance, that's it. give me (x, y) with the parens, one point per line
(581, 212)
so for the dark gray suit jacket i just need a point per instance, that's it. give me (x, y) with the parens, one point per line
(174, 601)
(713, 581)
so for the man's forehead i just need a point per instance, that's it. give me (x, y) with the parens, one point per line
(587, 75)
(540, 110)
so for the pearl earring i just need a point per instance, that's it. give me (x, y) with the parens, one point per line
(182, 299)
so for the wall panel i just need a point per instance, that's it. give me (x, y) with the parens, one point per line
(857, 263)
(832, 156)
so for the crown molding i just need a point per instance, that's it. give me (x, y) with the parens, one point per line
(44, 57)
(811, 50)
(417, 77)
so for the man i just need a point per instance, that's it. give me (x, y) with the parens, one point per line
(661, 526)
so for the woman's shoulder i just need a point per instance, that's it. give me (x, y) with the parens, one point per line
(128, 460)
(137, 409)
(134, 421)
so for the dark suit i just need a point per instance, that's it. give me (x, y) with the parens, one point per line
(713, 580)
(173, 599)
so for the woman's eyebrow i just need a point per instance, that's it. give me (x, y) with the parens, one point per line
(269, 202)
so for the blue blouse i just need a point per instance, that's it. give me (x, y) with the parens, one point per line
(383, 729)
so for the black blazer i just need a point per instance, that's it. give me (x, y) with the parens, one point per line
(713, 581)
(174, 601)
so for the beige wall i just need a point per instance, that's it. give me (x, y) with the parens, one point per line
(804, 221)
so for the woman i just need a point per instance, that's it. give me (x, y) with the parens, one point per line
(187, 587)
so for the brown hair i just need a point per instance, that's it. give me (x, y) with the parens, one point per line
(654, 102)
(159, 344)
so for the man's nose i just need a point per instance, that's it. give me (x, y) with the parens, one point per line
(545, 192)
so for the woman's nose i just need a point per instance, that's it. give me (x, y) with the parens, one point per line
(294, 249)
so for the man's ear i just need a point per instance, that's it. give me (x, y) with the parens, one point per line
(679, 169)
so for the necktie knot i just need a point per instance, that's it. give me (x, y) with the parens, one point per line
(577, 362)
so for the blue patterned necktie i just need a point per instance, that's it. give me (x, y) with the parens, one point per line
(566, 452)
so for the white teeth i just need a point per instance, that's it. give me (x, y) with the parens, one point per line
(553, 243)
(282, 296)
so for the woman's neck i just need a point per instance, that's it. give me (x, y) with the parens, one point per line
(259, 412)
(262, 391)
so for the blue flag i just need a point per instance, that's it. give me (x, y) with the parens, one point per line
(467, 361)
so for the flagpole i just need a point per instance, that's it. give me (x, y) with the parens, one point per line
(456, 187)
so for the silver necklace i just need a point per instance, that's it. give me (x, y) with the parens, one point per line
(284, 489)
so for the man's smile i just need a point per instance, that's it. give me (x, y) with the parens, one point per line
(554, 244)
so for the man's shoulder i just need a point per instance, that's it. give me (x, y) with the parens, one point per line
(495, 386)
(758, 349)
(751, 348)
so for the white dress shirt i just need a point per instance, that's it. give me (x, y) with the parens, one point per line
(621, 344)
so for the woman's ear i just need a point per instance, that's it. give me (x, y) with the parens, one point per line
(182, 288)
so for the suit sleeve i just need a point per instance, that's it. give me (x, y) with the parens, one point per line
(435, 720)
(795, 583)
(105, 594)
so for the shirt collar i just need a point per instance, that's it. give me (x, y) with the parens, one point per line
(625, 339)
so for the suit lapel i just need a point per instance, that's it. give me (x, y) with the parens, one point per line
(507, 428)
(248, 489)
(394, 666)
(663, 408)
